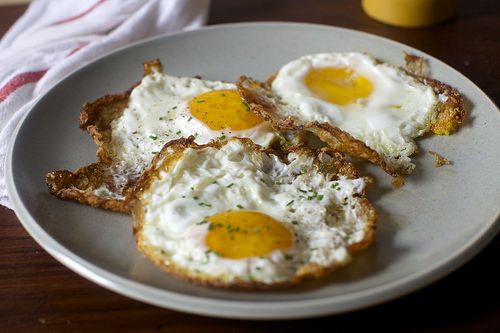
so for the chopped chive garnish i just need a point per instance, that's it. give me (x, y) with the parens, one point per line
(291, 202)
(154, 137)
(222, 137)
(175, 107)
(202, 222)
(222, 94)
(200, 101)
(239, 206)
(315, 195)
(229, 186)
(247, 108)
(295, 222)
(195, 198)
(161, 118)
(178, 132)
(189, 119)
(303, 191)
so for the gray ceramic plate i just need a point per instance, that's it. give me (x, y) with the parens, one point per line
(439, 220)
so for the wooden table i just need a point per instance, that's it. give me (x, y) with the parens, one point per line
(37, 293)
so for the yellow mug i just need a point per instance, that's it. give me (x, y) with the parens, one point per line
(410, 13)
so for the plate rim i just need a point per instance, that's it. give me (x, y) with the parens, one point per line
(244, 309)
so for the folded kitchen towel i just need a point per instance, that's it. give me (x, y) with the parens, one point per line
(54, 37)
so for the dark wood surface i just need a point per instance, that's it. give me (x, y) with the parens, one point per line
(37, 293)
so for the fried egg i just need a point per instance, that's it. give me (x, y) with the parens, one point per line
(231, 214)
(375, 102)
(131, 127)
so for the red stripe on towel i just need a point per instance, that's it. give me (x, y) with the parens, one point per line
(78, 48)
(18, 81)
(82, 14)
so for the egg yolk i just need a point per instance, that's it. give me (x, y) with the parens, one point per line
(240, 234)
(340, 86)
(223, 109)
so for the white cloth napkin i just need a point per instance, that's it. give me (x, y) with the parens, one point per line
(54, 37)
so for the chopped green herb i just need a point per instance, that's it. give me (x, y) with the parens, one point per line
(161, 118)
(175, 107)
(336, 186)
(223, 95)
(239, 206)
(189, 119)
(214, 182)
(202, 222)
(315, 195)
(191, 188)
(303, 191)
(178, 132)
(204, 204)
(154, 137)
(295, 222)
(200, 101)
(258, 268)
(195, 198)
(247, 108)
(230, 185)
(291, 202)
(222, 137)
